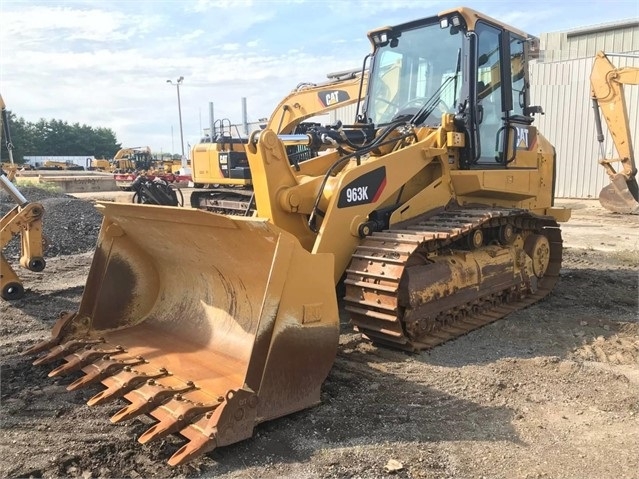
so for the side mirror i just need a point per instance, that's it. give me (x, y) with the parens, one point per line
(533, 110)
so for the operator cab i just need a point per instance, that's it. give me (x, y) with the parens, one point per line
(459, 63)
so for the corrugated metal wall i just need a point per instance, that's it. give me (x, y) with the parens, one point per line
(622, 36)
(563, 90)
(346, 114)
(560, 83)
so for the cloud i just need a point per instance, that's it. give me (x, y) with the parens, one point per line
(201, 6)
(374, 8)
(105, 63)
(37, 25)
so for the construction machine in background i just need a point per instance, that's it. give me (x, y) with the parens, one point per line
(60, 165)
(24, 220)
(607, 90)
(435, 211)
(133, 159)
(125, 160)
(9, 168)
(129, 163)
(100, 164)
(222, 163)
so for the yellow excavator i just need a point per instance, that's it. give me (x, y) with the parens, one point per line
(24, 220)
(60, 165)
(607, 87)
(222, 164)
(128, 162)
(434, 210)
(132, 159)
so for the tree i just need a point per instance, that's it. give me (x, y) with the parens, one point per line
(58, 138)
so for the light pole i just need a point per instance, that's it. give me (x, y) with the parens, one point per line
(177, 84)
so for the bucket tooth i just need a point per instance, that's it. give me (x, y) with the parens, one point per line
(101, 369)
(174, 415)
(78, 360)
(232, 421)
(64, 349)
(194, 448)
(148, 397)
(123, 382)
(47, 344)
(64, 320)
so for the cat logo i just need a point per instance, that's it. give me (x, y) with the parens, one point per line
(332, 97)
(522, 138)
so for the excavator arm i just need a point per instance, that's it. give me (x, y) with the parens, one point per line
(4, 120)
(607, 82)
(25, 220)
(224, 161)
(310, 99)
(127, 152)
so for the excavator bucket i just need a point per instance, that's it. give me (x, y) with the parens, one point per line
(209, 324)
(621, 195)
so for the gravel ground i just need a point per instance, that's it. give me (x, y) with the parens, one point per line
(70, 225)
(551, 391)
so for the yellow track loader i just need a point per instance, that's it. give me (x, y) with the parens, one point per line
(222, 163)
(607, 83)
(435, 211)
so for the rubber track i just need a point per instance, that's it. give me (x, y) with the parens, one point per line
(378, 264)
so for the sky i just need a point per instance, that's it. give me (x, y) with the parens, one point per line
(106, 63)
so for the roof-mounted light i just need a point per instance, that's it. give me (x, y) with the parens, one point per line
(453, 20)
(380, 38)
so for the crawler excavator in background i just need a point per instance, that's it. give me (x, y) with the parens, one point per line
(222, 164)
(24, 220)
(128, 162)
(434, 210)
(607, 87)
(125, 160)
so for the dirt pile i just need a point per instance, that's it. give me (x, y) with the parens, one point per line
(70, 225)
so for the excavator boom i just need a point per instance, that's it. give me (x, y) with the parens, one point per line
(310, 99)
(607, 87)
(24, 220)
(223, 161)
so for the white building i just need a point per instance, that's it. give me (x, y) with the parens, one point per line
(36, 161)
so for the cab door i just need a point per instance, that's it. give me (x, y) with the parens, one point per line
(501, 96)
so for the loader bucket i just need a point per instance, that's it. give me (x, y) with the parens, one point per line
(210, 324)
(621, 195)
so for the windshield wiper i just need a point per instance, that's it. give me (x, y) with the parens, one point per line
(430, 105)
